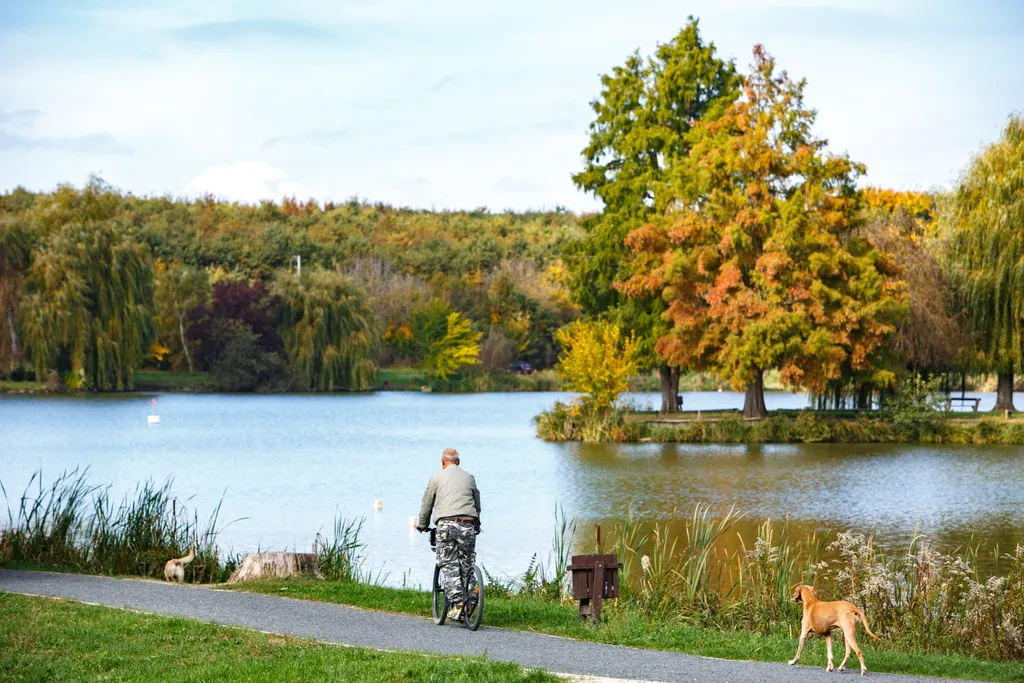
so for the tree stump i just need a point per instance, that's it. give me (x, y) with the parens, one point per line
(276, 566)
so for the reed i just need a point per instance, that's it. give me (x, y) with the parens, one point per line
(73, 525)
(561, 548)
(341, 557)
(918, 599)
(577, 422)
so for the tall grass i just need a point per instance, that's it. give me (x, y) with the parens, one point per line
(73, 525)
(575, 422)
(561, 423)
(341, 558)
(544, 579)
(917, 599)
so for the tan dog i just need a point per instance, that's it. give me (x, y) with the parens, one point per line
(174, 570)
(822, 617)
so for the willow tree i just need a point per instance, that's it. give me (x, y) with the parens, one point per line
(328, 329)
(179, 289)
(642, 117)
(86, 306)
(757, 255)
(987, 254)
(16, 242)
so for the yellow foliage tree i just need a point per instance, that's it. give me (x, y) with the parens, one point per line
(596, 361)
(459, 347)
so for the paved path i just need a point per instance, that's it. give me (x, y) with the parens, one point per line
(351, 626)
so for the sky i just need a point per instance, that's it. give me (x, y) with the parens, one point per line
(452, 104)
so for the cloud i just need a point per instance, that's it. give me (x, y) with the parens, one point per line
(98, 143)
(494, 134)
(441, 83)
(315, 137)
(243, 181)
(19, 118)
(218, 32)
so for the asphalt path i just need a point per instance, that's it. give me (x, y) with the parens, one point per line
(367, 628)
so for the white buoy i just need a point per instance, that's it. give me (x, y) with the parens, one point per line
(378, 505)
(153, 419)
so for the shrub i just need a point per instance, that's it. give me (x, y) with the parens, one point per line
(243, 364)
(914, 409)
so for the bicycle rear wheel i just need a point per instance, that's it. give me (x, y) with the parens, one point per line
(439, 602)
(474, 612)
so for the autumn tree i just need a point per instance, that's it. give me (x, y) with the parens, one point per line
(179, 289)
(986, 218)
(597, 361)
(642, 117)
(756, 254)
(86, 305)
(329, 331)
(459, 347)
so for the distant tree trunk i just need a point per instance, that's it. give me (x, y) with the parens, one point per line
(14, 335)
(669, 388)
(184, 342)
(276, 566)
(753, 402)
(864, 398)
(1004, 393)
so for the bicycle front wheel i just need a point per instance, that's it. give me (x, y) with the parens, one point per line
(438, 601)
(474, 612)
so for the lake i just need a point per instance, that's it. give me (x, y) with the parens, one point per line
(285, 465)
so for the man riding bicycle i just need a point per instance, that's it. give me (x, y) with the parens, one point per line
(455, 500)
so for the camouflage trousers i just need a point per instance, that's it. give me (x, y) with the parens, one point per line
(456, 544)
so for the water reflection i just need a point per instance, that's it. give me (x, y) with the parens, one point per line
(953, 493)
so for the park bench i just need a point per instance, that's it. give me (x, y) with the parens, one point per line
(962, 400)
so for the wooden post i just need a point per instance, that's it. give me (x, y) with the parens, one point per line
(598, 528)
(598, 592)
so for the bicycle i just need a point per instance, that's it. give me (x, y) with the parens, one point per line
(472, 612)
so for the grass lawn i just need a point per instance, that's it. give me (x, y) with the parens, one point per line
(629, 629)
(42, 639)
(170, 380)
(10, 385)
(402, 378)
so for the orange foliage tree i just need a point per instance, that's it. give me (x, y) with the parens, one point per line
(757, 255)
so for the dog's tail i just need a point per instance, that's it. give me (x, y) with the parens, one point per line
(864, 620)
(188, 558)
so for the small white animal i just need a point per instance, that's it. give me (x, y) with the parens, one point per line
(174, 570)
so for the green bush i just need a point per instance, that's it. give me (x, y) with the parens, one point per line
(914, 409)
(244, 364)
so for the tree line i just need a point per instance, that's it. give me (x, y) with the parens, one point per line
(731, 240)
(96, 283)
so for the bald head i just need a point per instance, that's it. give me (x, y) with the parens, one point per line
(450, 456)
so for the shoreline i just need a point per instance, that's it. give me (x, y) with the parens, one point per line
(781, 426)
